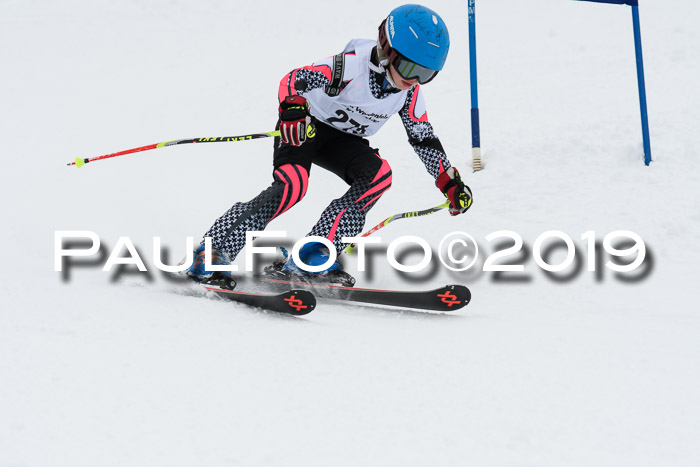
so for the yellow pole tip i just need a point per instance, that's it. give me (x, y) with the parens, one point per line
(79, 162)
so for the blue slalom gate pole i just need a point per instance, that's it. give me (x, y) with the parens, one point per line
(476, 137)
(640, 81)
(640, 72)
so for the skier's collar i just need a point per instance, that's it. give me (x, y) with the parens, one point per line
(383, 75)
(374, 64)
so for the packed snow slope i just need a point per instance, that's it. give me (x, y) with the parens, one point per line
(581, 368)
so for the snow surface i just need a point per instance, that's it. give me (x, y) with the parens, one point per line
(121, 370)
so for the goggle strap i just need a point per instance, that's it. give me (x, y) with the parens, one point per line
(391, 54)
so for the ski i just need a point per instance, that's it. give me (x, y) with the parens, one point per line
(443, 299)
(292, 302)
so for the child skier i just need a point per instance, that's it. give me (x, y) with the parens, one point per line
(326, 111)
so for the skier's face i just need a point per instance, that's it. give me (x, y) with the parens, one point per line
(401, 83)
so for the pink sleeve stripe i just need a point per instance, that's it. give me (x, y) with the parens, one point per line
(412, 107)
(287, 85)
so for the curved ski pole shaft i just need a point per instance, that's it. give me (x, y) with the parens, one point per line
(403, 215)
(79, 161)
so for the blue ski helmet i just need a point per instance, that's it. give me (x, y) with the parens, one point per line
(418, 34)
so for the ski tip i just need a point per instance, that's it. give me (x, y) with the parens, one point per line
(299, 302)
(454, 297)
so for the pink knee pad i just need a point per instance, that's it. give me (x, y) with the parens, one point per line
(296, 180)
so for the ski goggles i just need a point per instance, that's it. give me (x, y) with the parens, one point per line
(411, 70)
(406, 68)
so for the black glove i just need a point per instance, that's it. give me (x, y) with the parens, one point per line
(459, 194)
(294, 120)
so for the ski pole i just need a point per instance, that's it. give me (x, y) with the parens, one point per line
(403, 215)
(79, 161)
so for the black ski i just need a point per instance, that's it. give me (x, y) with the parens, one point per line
(447, 298)
(293, 302)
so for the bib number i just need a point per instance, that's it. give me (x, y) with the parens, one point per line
(342, 117)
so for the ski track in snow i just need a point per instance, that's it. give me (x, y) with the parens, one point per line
(107, 369)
